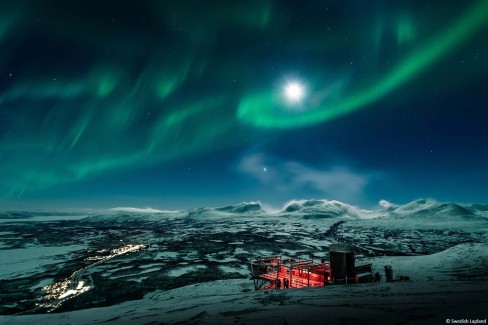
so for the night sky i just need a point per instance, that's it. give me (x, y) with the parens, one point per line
(182, 104)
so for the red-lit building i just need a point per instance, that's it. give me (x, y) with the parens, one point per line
(274, 272)
(266, 271)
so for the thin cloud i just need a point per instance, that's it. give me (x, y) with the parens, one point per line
(333, 181)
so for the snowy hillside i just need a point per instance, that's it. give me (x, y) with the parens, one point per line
(434, 293)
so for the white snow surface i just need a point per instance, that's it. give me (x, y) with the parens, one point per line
(24, 261)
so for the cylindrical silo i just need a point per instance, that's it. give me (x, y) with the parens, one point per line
(342, 263)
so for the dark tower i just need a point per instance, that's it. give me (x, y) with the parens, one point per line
(342, 263)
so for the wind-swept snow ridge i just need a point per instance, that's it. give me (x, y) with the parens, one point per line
(244, 207)
(317, 209)
(419, 210)
(430, 210)
(141, 210)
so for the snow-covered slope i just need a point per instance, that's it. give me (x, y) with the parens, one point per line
(434, 293)
(460, 262)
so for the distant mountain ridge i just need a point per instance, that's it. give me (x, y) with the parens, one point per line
(424, 209)
(323, 209)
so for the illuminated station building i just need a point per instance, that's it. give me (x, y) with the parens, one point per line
(275, 272)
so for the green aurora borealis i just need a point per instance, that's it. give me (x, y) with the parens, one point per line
(91, 89)
(264, 110)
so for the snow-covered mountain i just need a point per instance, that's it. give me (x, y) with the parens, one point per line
(317, 209)
(241, 209)
(419, 210)
(432, 209)
(244, 207)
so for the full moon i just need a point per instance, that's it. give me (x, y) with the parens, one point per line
(294, 92)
